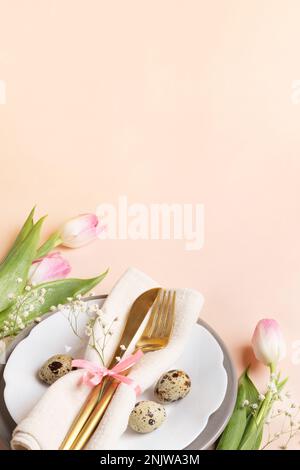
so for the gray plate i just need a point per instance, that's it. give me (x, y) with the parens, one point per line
(206, 438)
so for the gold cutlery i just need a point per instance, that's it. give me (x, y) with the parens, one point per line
(155, 336)
(136, 315)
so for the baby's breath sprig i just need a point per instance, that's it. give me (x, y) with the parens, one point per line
(96, 320)
(286, 418)
(26, 307)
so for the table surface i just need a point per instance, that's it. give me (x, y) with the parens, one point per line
(186, 102)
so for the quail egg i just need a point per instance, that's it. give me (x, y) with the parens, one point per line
(55, 367)
(147, 416)
(172, 386)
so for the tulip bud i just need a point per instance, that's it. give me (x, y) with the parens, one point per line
(268, 343)
(49, 268)
(80, 230)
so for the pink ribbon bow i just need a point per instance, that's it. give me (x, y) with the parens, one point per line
(94, 373)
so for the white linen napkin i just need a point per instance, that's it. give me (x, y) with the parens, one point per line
(47, 424)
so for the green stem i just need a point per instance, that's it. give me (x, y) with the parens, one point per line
(267, 401)
(256, 423)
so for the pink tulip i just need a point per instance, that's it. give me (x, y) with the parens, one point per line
(268, 343)
(49, 268)
(80, 230)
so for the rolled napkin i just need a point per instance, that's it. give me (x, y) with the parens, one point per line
(47, 424)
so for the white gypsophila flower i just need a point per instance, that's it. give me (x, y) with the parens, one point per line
(52, 308)
(118, 358)
(88, 331)
(10, 296)
(123, 347)
(261, 397)
(69, 299)
(91, 322)
(94, 308)
(19, 280)
(78, 296)
(98, 311)
(28, 288)
(254, 406)
(245, 403)
(272, 387)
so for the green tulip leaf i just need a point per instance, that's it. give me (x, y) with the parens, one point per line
(238, 423)
(254, 431)
(40, 299)
(14, 269)
(258, 440)
(27, 227)
(53, 241)
(281, 385)
(251, 391)
(235, 428)
(253, 435)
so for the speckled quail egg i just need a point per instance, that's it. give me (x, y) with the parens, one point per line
(55, 367)
(147, 416)
(172, 386)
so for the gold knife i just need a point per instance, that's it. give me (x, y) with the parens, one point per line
(135, 318)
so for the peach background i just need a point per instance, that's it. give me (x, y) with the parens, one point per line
(164, 101)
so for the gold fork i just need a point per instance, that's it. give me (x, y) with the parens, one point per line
(155, 336)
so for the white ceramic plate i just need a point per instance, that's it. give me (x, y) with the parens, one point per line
(202, 360)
